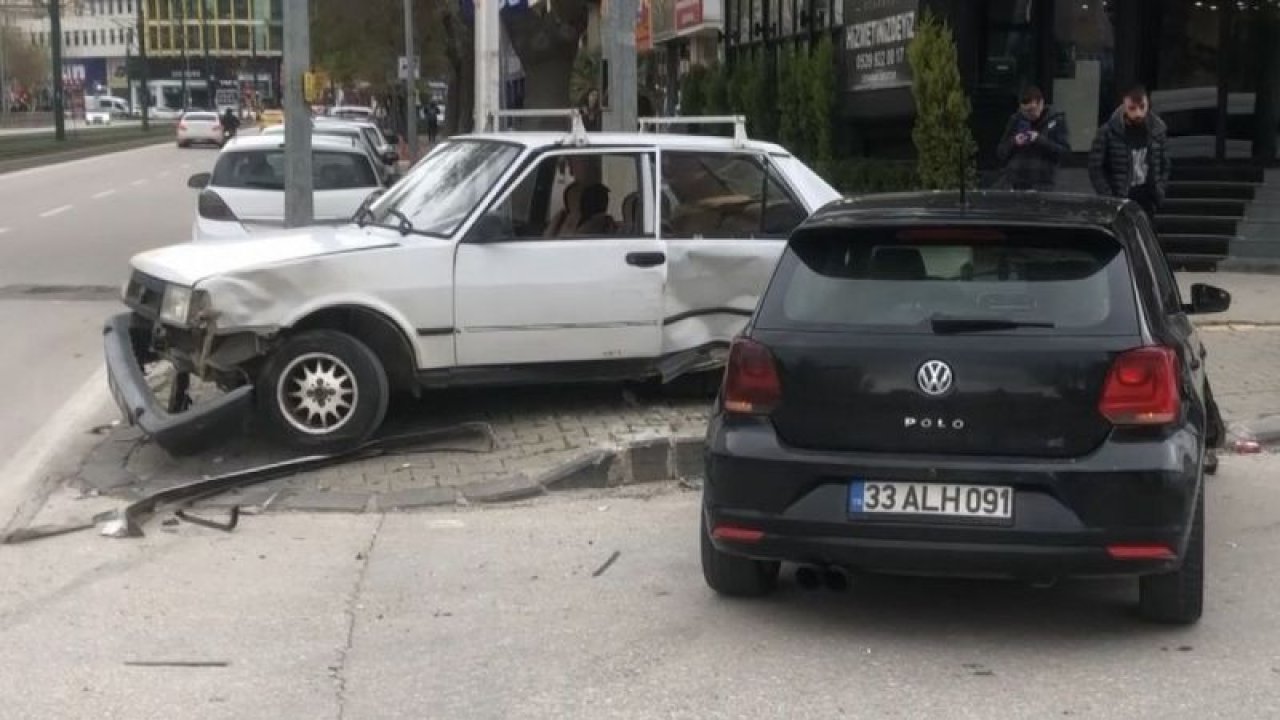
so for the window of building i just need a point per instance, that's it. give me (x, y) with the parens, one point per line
(724, 195)
(224, 37)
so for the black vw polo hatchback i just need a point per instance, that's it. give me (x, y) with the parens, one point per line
(1001, 384)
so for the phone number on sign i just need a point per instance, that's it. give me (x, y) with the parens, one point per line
(880, 58)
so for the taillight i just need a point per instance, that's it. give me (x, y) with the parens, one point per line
(751, 384)
(211, 206)
(1142, 388)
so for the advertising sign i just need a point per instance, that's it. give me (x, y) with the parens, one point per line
(688, 14)
(877, 33)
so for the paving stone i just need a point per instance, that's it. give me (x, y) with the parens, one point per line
(515, 487)
(321, 501)
(415, 498)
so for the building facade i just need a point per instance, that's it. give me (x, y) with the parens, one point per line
(1213, 68)
(218, 52)
(98, 39)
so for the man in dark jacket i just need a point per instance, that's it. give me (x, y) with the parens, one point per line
(1033, 144)
(1129, 157)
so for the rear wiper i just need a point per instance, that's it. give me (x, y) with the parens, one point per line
(943, 324)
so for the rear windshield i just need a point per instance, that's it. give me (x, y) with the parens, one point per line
(264, 170)
(1025, 280)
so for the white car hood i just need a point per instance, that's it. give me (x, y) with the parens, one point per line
(189, 263)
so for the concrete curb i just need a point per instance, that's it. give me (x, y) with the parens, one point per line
(1252, 436)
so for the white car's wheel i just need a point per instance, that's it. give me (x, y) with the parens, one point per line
(324, 390)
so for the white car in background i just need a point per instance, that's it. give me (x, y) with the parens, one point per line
(200, 128)
(245, 191)
(351, 112)
(514, 257)
(353, 133)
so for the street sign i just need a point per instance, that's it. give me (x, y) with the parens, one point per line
(402, 70)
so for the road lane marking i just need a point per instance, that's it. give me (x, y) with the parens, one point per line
(104, 193)
(3, 230)
(29, 475)
(139, 181)
(4, 177)
(55, 211)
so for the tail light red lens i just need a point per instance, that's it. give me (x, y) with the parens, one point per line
(211, 206)
(1141, 552)
(751, 384)
(1142, 388)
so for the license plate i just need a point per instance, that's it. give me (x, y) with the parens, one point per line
(905, 498)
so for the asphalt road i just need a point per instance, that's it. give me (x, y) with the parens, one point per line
(497, 613)
(67, 232)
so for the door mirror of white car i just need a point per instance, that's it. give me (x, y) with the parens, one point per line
(199, 181)
(391, 157)
(391, 138)
(1206, 299)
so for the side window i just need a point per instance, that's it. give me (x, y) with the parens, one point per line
(342, 171)
(724, 195)
(577, 195)
(1166, 286)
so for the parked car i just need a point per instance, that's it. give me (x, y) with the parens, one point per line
(373, 136)
(245, 192)
(200, 128)
(511, 258)
(351, 112)
(355, 134)
(270, 117)
(1005, 384)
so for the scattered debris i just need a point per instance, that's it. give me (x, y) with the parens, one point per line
(1185, 648)
(178, 663)
(170, 522)
(607, 564)
(228, 526)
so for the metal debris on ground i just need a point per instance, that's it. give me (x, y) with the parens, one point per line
(227, 526)
(607, 564)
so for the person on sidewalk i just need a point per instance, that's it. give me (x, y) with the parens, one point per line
(433, 122)
(592, 113)
(1129, 158)
(1034, 141)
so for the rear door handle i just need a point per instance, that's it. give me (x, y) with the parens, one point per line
(646, 259)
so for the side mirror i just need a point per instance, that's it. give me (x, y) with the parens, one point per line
(199, 181)
(391, 138)
(391, 157)
(1206, 299)
(490, 228)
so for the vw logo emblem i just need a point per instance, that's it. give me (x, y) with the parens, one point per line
(935, 378)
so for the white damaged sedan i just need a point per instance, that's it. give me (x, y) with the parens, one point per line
(500, 259)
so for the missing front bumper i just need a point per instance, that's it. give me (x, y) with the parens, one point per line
(181, 433)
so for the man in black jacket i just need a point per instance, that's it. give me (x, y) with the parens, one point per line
(1129, 157)
(1034, 141)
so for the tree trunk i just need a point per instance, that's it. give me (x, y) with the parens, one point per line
(547, 45)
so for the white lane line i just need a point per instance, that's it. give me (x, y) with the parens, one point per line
(104, 193)
(3, 230)
(55, 211)
(139, 181)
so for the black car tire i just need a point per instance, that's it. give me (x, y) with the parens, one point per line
(736, 576)
(1177, 598)
(348, 361)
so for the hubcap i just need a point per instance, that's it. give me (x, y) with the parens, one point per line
(317, 393)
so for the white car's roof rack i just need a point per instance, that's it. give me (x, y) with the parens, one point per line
(577, 131)
(739, 123)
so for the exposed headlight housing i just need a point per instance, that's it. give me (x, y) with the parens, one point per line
(175, 308)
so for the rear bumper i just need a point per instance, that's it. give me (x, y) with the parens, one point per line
(1066, 513)
(178, 433)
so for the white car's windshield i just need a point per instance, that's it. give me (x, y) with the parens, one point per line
(436, 197)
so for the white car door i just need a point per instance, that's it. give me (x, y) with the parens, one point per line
(565, 266)
(724, 220)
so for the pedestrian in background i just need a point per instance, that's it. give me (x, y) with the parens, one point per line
(1129, 157)
(1034, 141)
(592, 113)
(433, 122)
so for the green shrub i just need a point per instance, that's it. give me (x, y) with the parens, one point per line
(862, 176)
(693, 91)
(945, 147)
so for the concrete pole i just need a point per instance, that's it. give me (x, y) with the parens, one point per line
(487, 82)
(4, 76)
(620, 26)
(298, 201)
(55, 34)
(186, 64)
(410, 86)
(144, 95)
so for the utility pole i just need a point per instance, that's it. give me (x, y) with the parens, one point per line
(487, 82)
(297, 115)
(144, 94)
(4, 81)
(410, 85)
(186, 64)
(55, 32)
(620, 24)
(204, 44)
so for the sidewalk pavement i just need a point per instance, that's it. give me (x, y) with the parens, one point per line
(548, 438)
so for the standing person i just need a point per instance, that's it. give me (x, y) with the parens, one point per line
(592, 113)
(433, 122)
(1034, 141)
(1129, 157)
